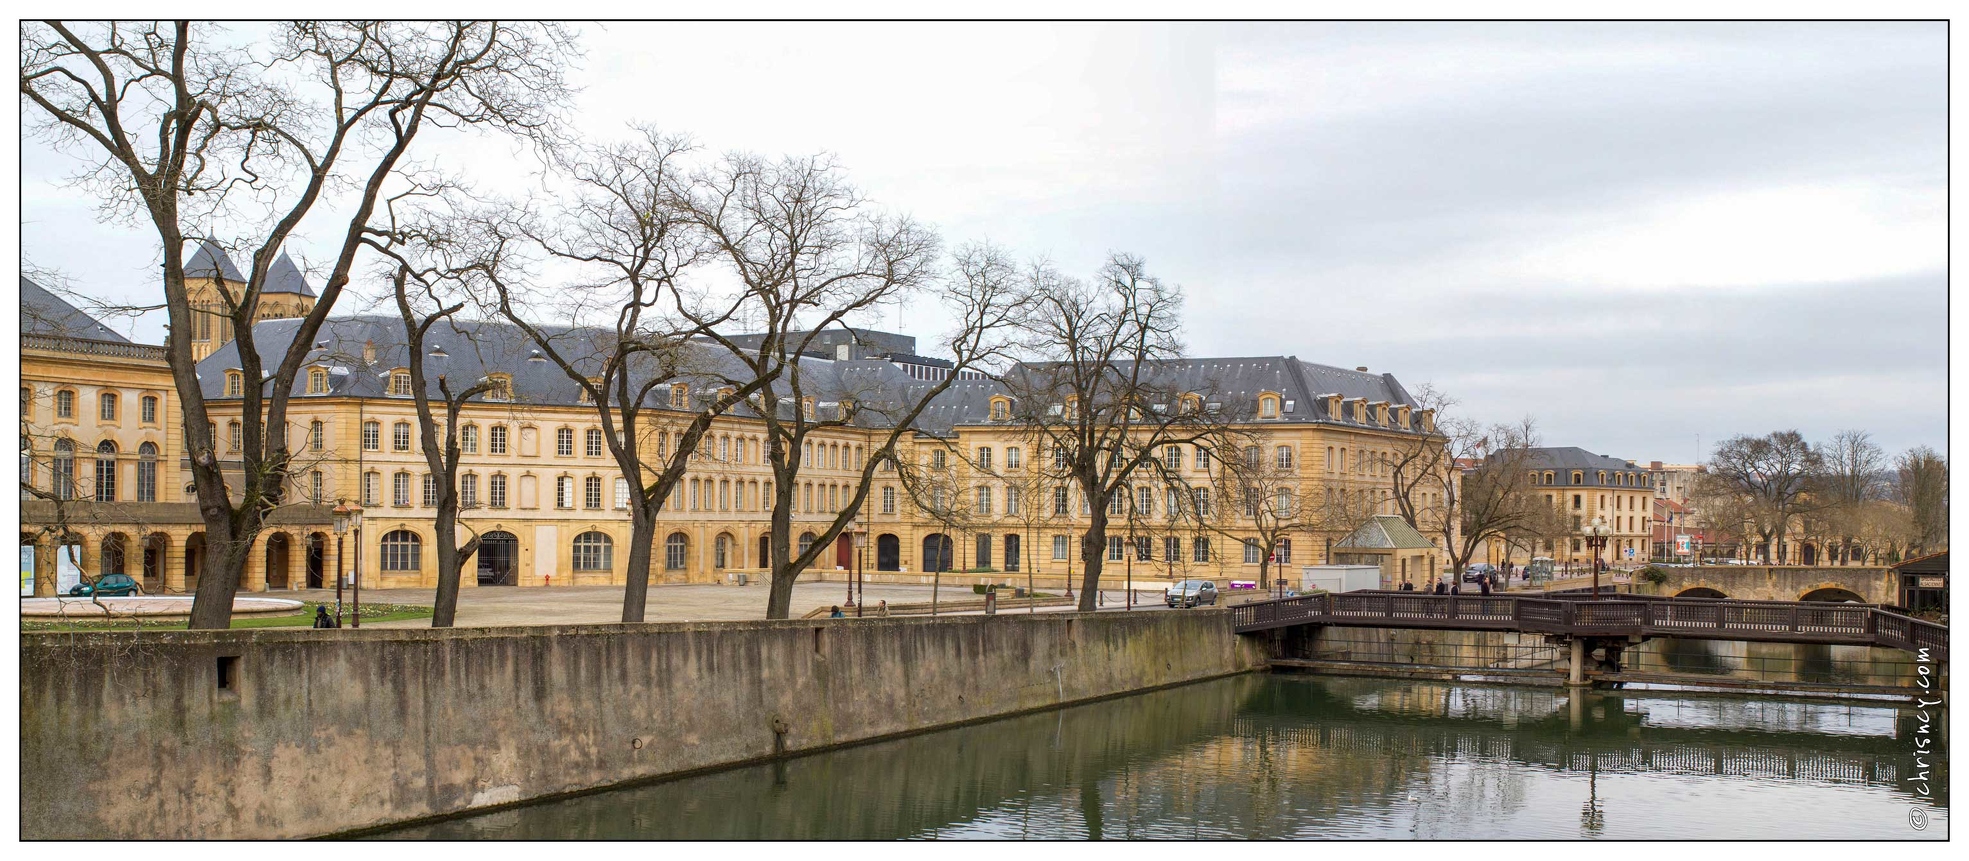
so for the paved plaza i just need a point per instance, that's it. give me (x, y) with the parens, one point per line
(495, 606)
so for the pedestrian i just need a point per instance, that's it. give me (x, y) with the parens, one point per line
(1442, 588)
(1455, 588)
(1484, 584)
(321, 619)
(882, 607)
(1407, 586)
(837, 614)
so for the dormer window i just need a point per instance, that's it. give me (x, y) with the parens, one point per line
(680, 396)
(1191, 405)
(400, 384)
(501, 388)
(1001, 409)
(317, 381)
(235, 384)
(1268, 407)
(807, 408)
(1578, 477)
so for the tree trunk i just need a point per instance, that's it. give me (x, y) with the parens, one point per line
(1093, 552)
(779, 600)
(225, 559)
(642, 535)
(445, 612)
(47, 564)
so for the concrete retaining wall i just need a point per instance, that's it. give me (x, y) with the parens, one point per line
(289, 733)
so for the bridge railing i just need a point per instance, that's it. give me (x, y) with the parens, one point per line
(1657, 616)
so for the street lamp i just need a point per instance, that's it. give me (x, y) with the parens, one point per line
(861, 585)
(355, 523)
(1596, 538)
(341, 527)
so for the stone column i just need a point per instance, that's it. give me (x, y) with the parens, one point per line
(253, 578)
(1576, 663)
(174, 560)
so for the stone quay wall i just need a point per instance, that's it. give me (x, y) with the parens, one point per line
(295, 733)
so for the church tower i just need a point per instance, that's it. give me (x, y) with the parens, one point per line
(286, 294)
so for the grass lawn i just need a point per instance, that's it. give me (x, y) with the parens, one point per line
(302, 619)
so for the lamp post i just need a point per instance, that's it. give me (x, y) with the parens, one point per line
(1596, 538)
(341, 527)
(355, 523)
(859, 585)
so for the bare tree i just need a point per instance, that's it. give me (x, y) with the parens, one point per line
(1852, 474)
(1774, 475)
(1258, 494)
(808, 256)
(938, 488)
(1923, 488)
(1094, 394)
(1493, 499)
(192, 131)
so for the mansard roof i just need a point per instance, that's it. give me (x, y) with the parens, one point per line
(1574, 457)
(44, 313)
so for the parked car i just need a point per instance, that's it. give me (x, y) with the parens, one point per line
(109, 585)
(1480, 571)
(1191, 593)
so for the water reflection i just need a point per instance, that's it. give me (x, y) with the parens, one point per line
(1282, 756)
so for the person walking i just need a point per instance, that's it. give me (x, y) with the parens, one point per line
(1407, 586)
(321, 619)
(1442, 588)
(1484, 585)
(837, 614)
(1455, 588)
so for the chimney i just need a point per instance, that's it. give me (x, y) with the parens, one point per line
(1361, 368)
(369, 352)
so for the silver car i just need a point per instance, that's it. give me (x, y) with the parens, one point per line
(1191, 593)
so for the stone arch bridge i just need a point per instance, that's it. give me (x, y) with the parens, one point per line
(1776, 583)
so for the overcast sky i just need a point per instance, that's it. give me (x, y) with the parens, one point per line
(1635, 233)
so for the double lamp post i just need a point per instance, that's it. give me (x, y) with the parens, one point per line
(347, 517)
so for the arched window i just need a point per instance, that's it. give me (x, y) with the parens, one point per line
(593, 551)
(106, 471)
(718, 550)
(147, 473)
(806, 541)
(402, 550)
(673, 551)
(317, 381)
(64, 469)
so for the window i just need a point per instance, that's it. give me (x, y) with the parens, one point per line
(400, 490)
(622, 494)
(1172, 457)
(564, 442)
(400, 436)
(1012, 457)
(372, 436)
(149, 406)
(1575, 502)
(430, 490)
(1144, 501)
(315, 435)
(315, 489)
(564, 492)
(1172, 548)
(317, 381)
(1059, 457)
(1201, 496)
(106, 471)
(673, 550)
(1059, 547)
(64, 470)
(1060, 501)
(1142, 545)
(593, 551)
(1251, 457)
(107, 405)
(591, 492)
(65, 404)
(1001, 409)
(1253, 554)
(1203, 458)
(370, 481)
(1268, 408)
(501, 387)
(1200, 549)
(468, 439)
(984, 500)
(1578, 477)
(1285, 457)
(594, 442)
(1114, 547)
(496, 439)
(400, 384)
(806, 542)
(235, 384)
(937, 460)
(984, 457)
(1282, 503)
(679, 399)
(232, 436)
(1284, 553)
(496, 491)
(888, 500)
(1012, 500)
(147, 473)
(468, 490)
(984, 551)
(401, 551)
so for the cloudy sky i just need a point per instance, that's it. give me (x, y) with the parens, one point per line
(1637, 234)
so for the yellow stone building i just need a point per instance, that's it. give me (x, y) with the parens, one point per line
(1583, 486)
(541, 490)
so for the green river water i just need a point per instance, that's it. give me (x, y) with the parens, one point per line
(1281, 756)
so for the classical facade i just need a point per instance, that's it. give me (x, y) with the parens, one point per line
(1584, 486)
(541, 490)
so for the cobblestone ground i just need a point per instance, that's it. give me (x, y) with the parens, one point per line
(493, 606)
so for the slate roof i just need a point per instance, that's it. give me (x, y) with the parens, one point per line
(44, 313)
(1235, 382)
(211, 259)
(1386, 532)
(1564, 458)
(284, 277)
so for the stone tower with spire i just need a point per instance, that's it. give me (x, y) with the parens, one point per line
(286, 294)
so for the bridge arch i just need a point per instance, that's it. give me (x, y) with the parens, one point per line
(1700, 592)
(1832, 593)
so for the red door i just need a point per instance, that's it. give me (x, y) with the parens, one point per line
(844, 552)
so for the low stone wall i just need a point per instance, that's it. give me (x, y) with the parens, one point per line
(291, 733)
